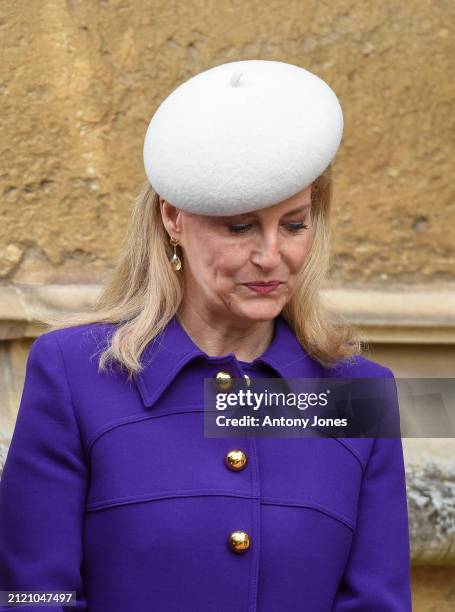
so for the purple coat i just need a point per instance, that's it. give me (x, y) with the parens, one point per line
(110, 489)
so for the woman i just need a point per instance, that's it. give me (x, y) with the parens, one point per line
(110, 488)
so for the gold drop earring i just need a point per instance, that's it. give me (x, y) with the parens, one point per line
(175, 259)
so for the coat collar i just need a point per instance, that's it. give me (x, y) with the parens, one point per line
(172, 349)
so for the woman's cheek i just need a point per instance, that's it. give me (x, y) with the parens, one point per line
(232, 259)
(300, 254)
(219, 268)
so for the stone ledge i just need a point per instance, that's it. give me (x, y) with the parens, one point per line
(415, 315)
(418, 314)
(21, 305)
(431, 508)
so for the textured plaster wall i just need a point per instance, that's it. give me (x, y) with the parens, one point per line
(81, 79)
(433, 589)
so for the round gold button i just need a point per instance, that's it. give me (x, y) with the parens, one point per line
(235, 460)
(223, 380)
(239, 541)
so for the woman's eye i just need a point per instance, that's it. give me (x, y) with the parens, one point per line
(238, 229)
(244, 227)
(295, 227)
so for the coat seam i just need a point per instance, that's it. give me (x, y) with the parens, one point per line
(313, 506)
(256, 522)
(349, 448)
(273, 501)
(137, 418)
(70, 396)
(120, 501)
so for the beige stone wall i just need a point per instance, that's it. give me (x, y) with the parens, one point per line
(81, 79)
(433, 589)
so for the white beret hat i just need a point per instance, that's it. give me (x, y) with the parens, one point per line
(242, 136)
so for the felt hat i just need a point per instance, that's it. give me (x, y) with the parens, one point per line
(242, 136)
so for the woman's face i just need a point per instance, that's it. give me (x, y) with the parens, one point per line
(224, 256)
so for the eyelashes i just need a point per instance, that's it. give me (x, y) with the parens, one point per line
(293, 228)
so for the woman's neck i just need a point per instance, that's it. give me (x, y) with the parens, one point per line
(218, 338)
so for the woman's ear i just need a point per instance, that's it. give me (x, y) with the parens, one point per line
(170, 216)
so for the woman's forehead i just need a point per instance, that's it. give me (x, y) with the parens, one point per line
(294, 205)
(282, 208)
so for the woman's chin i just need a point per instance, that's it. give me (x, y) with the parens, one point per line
(261, 310)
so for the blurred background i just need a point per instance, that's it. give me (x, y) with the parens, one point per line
(80, 82)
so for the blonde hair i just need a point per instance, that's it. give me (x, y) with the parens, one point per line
(143, 292)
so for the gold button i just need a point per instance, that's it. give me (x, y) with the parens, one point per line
(223, 380)
(247, 380)
(235, 460)
(239, 541)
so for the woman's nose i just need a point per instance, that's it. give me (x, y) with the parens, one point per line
(267, 253)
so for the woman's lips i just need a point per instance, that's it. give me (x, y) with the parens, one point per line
(263, 287)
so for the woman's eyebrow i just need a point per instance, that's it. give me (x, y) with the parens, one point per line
(293, 211)
(302, 208)
(290, 212)
(297, 210)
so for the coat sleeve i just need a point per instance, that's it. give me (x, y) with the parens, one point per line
(43, 486)
(377, 573)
